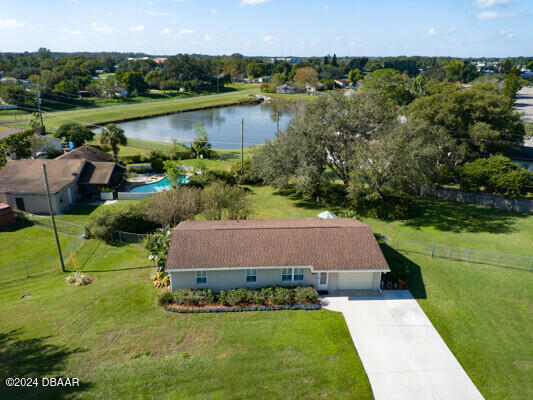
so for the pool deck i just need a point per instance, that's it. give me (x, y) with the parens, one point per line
(139, 180)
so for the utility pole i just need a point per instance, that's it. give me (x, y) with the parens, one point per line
(39, 107)
(53, 219)
(242, 144)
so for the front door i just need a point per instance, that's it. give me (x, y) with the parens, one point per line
(20, 203)
(322, 281)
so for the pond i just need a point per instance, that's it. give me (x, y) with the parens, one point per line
(223, 125)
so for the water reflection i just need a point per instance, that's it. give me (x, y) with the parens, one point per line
(223, 125)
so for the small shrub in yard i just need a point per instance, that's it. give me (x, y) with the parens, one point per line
(283, 295)
(165, 298)
(305, 294)
(79, 279)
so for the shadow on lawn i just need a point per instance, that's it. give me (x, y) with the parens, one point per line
(333, 198)
(36, 359)
(398, 263)
(458, 217)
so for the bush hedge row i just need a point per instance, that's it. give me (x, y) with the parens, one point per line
(278, 295)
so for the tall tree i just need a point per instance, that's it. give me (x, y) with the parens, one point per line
(354, 76)
(111, 137)
(76, 133)
(513, 83)
(390, 83)
(200, 146)
(334, 60)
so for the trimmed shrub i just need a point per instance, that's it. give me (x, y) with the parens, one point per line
(283, 295)
(264, 297)
(305, 294)
(165, 298)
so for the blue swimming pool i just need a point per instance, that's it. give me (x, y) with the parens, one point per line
(159, 186)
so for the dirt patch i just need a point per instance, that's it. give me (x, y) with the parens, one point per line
(523, 364)
(234, 351)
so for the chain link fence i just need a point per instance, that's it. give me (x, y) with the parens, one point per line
(69, 228)
(127, 237)
(43, 265)
(438, 250)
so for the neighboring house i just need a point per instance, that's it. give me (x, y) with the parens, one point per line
(343, 83)
(22, 182)
(285, 89)
(87, 153)
(263, 79)
(312, 88)
(159, 60)
(330, 254)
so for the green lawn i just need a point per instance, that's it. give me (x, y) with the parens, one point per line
(485, 316)
(113, 337)
(19, 244)
(103, 114)
(120, 344)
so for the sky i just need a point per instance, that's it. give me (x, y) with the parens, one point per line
(460, 28)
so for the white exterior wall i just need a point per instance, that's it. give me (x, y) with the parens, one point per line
(232, 279)
(38, 203)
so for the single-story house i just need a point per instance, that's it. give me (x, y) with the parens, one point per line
(285, 89)
(22, 182)
(330, 254)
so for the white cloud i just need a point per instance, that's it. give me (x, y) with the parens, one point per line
(484, 15)
(213, 11)
(165, 31)
(11, 23)
(490, 3)
(431, 31)
(71, 32)
(255, 1)
(506, 34)
(270, 39)
(186, 31)
(101, 28)
(160, 13)
(137, 28)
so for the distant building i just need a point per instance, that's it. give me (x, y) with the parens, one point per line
(159, 60)
(285, 89)
(291, 60)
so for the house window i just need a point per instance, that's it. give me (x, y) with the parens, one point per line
(298, 274)
(61, 200)
(286, 274)
(251, 275)
(201, 277)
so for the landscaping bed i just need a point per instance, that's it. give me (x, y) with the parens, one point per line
(242, 299)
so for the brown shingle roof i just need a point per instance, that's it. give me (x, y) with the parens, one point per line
(325, 244)
(26, 176)
(87, 153)
(97, 173)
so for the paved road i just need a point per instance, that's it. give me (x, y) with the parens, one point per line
(403, 354)
(524, 104)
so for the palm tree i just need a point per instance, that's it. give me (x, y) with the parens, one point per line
(111, 137)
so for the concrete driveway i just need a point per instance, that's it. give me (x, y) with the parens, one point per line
(402, 353)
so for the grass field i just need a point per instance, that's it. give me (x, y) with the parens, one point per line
(113, 337)
(120, 344)
(485, 316)
(101, 115)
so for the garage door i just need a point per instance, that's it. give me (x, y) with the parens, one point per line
(355, 280)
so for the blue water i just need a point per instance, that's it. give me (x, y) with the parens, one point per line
(223, 125)
(159, 186)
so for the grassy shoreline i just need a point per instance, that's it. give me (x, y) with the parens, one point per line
(126, 112)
